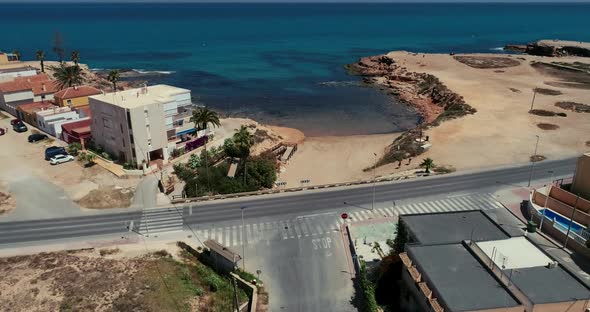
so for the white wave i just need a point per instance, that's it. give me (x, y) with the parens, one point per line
(149, 72)
(497, 49)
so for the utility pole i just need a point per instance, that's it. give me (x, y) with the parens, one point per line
(567, 235)
(546, 200)
(533, 162)
(243, 241)
(534, 96)
(374, 181)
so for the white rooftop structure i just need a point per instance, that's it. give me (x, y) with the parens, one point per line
(514, 253)
(141, 96)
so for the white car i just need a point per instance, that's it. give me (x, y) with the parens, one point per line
(60, 159)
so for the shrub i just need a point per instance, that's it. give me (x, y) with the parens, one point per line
(74, 149)
(105, 155)
(177, 152)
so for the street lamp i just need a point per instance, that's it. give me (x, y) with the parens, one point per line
(243, 241)
(374, 181)
(546, 200)
(533, 161)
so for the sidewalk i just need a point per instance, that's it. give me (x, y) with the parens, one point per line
(515, 218)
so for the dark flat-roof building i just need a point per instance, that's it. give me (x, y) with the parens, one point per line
(471, 264)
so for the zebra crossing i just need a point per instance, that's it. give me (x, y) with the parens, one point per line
(449, 204)
(325, 224)
(160, 220)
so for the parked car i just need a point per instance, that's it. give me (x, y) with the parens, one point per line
(60, 159)
(2, 131)
(20, 127)
(37, 137)
(52, 151)
(15, 121)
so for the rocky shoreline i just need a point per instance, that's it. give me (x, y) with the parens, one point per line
(431, 98)
(552, 48)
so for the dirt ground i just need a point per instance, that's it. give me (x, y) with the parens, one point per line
(502, 131)
(20, 159)
(7, 202)
(111, 280)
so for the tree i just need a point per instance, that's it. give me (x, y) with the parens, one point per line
(194, 161)
(87, 157)
(75, 57)
(427, 163)
(58, 48)
(40, 56)
(67, 76)
(401, 238)
(113, 77)
(17, 54)
(202, 117)
(243, 140)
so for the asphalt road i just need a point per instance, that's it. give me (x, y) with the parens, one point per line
(312, 201)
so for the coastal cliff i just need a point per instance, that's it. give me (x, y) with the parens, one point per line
(431, 98)
(553, 48)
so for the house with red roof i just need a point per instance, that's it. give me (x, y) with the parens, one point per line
(76, 131)
(28, 111)
(23, 90)
(76, 96)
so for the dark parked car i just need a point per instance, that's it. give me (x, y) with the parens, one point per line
(15, 121)
(37, 137)
(53, 151)
(19, 127)
(2, 131)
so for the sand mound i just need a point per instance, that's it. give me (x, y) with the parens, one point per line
(107, 197)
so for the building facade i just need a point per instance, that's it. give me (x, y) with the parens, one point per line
(51, 120)
(9, 74)
(26, 90)
(28, 112)
(134, 125)
(581, 183)
(75, 97)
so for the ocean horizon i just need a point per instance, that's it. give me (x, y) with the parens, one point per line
(282, 63)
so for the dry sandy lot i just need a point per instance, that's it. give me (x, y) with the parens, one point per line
(20, 160)
(502, 131)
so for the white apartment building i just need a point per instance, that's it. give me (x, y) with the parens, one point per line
(140, 125)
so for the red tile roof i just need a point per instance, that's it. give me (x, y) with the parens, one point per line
(34, 83)
(79, 125)
(74, 92)
(32, 107)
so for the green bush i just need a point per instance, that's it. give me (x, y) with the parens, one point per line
(74, 149)
(369, 303)
(177, 152)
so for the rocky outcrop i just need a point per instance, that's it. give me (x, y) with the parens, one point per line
(431, 98)
(558, 48)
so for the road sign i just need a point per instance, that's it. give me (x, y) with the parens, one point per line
(344, 216)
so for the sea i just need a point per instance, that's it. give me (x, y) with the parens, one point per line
(281, 63)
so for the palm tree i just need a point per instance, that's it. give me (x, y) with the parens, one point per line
(244, 141)
(113, 77)
(40, 56)
(75, 57)
(427, 163)
(202, 117)
(17, 54)
(67, 76)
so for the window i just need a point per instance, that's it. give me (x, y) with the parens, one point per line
(149, 142)
(106, 122)
(147, 127)
(131, 138)
(178, 123)
(69, 102)
(145, 111)
(121, 128)
(133, 152)
(129, 120)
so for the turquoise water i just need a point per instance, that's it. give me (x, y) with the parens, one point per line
(562, 221)
(282, 63)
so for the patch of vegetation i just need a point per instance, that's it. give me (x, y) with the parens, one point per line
(576, 65)
(547, 126)
(573, 106)
(486, 62)
(107, 251)
(546, 113)
(588, 143)
(444, 169)
(367, 291)
(252, 174)
(247, 276)
(537, 158)
(74, 149)
(548, 91)
(515, 90)
(567, 77)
